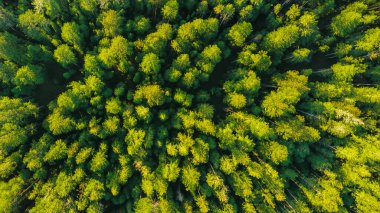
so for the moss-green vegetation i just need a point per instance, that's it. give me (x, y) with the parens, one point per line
(189, 106)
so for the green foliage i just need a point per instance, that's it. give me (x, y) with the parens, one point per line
(282, 38)
(296, 131)
(370, 42)
(65, 55)
(7, 20)
(170, 171)
(9, 194)
(15, 110)
(150, 64)
(274, 151)
(56, 152)
(70, 33)
(189, 106)
(210, 56)
(293, 12)
(8, 72)
(189, 32)
(327, 196)
(170, 10)
(116, 55)
(144, 205)
(239, 33)
(190, 178)
(58, 124)
(236, 100)
(153, 95)
(346, 72)
(291, 87)
(156, 42)
(34, 25)
(183, 98)
(349, 19)
(11, 48)
(28, 76)
(12, 136)
(111, 22)
(225, 12)
(300, 55)
(260, 60)
(113, 106)
(142, 25)
(94, 190)
(99, 162)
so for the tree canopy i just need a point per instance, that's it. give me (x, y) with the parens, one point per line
(189, 106)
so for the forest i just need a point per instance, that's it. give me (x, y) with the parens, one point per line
(159, 106)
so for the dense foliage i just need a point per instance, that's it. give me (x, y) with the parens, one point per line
(189, 106)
